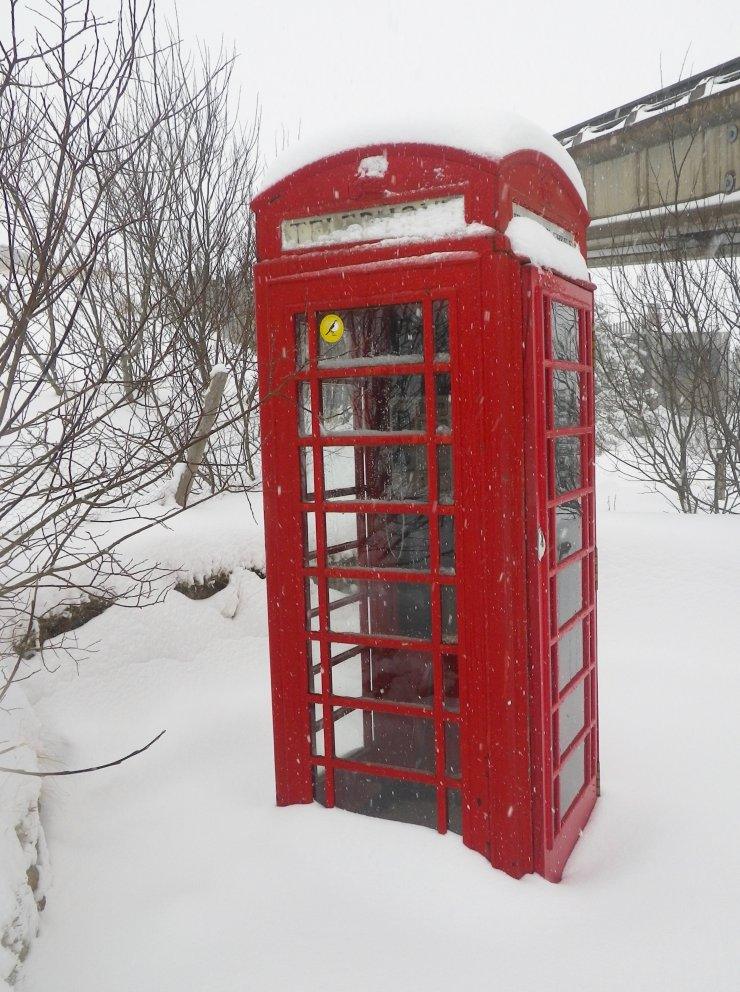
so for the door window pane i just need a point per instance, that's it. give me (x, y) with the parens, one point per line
(448, 604)
(304, 409)
(444, 403)
(389, 473)
(372, 333)
(377, 403)
(568, 528)
(567, 464)
(309, 539)
(377, 540)
(451, 687)
(387, 798)
(441, 321)
(571, 715)
(452, 750)
(316, 729)
(445, 488)
(311, 590)
(454, 811)
(447, 544)
(396, 609)
(569, 591)
(306, 470)
(572, 778)
(564, 333)
(301, 340)
(313, 659)
(384, 739)
(566, 398)
(388, 674)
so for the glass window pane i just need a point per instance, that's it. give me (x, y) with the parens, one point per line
(566, 398)
(384, 739)
(306, 468)
(567, 464)
(301, 340)
(319, 785)
(447, 544)
(445, 484)
(569, 528)
(451, 687)
(441, 321)
(448, 604)
(564, 333)
(571, 716)
(350, 732)
(309, 539)
(569, 591)
(396, 609)
(304, 409)
(388, 674)
(377, 403)
(312, 602)
(313, 658)
(387, 798)
(372, 333)
(454, 811)
(389, 473)
(444, 403)
(377, 540)
(316, 729)
(452, 750)
(570, 655)
(572, 778)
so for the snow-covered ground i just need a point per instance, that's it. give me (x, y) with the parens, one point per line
(175, 872)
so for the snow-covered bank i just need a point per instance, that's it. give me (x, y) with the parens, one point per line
(220, 534)
(23, 855)
(176, 872)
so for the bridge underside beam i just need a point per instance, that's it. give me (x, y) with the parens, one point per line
(686, 231)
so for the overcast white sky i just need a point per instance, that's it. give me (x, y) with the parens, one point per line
(319, 63)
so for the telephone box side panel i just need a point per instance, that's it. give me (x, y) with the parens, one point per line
(554, 834)
(283, 543)
(504, 587)
(537, 597)
(469, 418)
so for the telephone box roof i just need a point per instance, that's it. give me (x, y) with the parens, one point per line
(490, 136)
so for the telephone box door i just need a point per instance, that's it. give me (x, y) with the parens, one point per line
(367, 473)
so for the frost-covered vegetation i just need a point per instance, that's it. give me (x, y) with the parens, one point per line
(668, 371)
(126, 341)
(127, 377)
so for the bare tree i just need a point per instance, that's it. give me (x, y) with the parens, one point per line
(126, 251)
(668, 349)
(178, 284)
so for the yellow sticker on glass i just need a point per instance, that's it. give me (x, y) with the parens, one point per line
(331, 328)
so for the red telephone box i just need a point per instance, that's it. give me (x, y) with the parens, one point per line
(428, 466)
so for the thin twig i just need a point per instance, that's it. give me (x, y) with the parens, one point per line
(82, 771)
